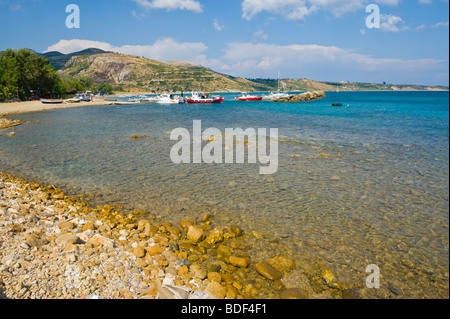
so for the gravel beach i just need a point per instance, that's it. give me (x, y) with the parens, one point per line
(54, 246)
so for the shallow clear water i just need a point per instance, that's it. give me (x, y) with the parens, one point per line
(379, 196)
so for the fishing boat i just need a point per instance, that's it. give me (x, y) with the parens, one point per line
(248, 97)
(52, 101)
(169, 99)
(204, 98)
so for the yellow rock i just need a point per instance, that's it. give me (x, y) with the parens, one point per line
(214, 276)
(294, 293)
(195, 234)
(281, 263)
(217, 290)
(239, 261)
(266, 270)
(139, 251)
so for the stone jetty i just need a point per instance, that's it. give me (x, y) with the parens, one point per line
(303, 97)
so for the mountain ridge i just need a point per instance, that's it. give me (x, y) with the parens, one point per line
(133, 73)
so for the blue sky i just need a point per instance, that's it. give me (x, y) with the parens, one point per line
(324, 40)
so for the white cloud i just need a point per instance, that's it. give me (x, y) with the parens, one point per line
(218, 26)
(260, 35)
(322, 63)
(299, 9)
(165, 49)
(391, 23)
(440, 24)
(190, 5)
(245, 59)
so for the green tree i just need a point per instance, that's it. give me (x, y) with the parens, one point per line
(27, 72)
(105, 88)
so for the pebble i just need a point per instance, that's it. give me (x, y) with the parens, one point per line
(266, 270)
(195, 234)
(59, 248)
(239, 261)
(294, 293)
(216, 289)
(139, 251)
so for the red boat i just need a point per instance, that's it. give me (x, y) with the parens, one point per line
(203, 98)
(247, 97)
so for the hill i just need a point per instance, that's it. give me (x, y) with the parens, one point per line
(59, 60)
(138, 74)
(132, 73)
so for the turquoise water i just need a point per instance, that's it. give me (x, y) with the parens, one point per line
(368, 183)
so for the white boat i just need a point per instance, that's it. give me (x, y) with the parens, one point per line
(74, 100)
(276, 95)
(136, 99)
(169, 99)
(150, 99)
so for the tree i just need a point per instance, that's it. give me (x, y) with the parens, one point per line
(105, 88)
(27, 72)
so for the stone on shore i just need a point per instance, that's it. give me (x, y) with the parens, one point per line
(195, 234)
(66, 225)
(66, 239)
(139, 251)
(103, 240)
(35, 240)
(216, 289)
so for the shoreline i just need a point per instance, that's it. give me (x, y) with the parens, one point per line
(12, 108)
(55, 246)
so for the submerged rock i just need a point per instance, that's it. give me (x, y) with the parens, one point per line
(294, 293)
(266, 270)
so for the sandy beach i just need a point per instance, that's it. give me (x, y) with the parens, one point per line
(34, 106)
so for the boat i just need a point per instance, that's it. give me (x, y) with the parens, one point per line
(248, 97)
(336, 104)
(169, 99)
(204, 98)
(276, 95)
(136, 99)
(150, 99)
(123, 103)
(52, 101)
(74, 100)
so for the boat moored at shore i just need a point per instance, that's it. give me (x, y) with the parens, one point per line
(52, 101)
(204, 98)
(248, 97)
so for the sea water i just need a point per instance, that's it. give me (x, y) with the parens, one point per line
(362, 184)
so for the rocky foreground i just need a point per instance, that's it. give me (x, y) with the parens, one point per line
(57, 246)
(303, 97)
